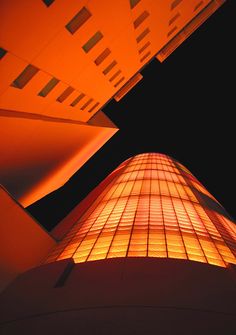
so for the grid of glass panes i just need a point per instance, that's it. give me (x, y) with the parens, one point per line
(150, 209)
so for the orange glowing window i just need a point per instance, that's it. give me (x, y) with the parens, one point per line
(148, 211)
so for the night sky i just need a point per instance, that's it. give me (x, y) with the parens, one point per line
(183, 107)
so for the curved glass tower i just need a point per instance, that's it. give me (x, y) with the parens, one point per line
(152, 206)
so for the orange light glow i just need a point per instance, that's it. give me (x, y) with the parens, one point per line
(154, 207)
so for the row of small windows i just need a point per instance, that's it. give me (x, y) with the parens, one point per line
(30, 71)
(173, 5)
(137, 22)
(177, 15)
(75, 23)
(84, 14)
(106, 71)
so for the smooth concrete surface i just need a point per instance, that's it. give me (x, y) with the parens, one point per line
(24, 243)
(121, 296)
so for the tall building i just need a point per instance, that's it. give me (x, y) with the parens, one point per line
(152, 207)
(149, 250)
(60, 63)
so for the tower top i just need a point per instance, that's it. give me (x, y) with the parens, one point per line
(152, 206)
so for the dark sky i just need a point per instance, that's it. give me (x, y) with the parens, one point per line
(184, 107)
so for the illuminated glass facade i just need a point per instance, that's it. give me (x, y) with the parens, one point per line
(153, 207)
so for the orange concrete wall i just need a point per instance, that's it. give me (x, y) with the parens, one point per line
(42, 153)
(36, 34)
(23, 242)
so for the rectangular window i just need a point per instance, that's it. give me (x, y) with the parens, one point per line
(175, 3)
(2, 53)
(102, 56)
(91, 109)
(65, 274)
(48, 87)
(119, 81)
(172, 31)
(78, 20)
(198, 6)
(65, 94)
(145, 56)
(115, 75)
(140, 19)
(86, 104)
(144, 47)
(109, 67)
(142, 35)
(175, 17)
(48, 2)
(77, 100)
(26, 75)
(92, 41)
(133, 3)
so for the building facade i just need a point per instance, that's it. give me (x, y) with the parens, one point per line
(153, 207)
(149, 250)
(51, 54)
